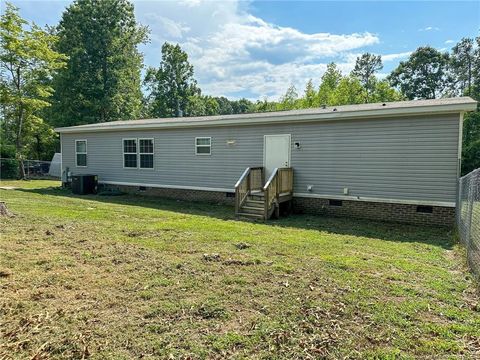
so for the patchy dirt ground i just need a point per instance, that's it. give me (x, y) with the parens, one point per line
(128, 277)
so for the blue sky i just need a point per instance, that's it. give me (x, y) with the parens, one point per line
(257, 49)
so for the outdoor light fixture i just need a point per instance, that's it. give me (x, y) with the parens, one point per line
(296, 145)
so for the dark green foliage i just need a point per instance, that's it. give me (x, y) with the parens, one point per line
(365, 68)
(471, 142)
(241, 106)
(290, 100)
(28, 62)
(102, 80)
(424, 75)
(8, 164)
(172, 84)
(471, 157)
(476, 68)
(224, 106)
(463, 61)
(199, 105)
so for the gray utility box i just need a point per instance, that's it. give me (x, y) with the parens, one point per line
(84, 184)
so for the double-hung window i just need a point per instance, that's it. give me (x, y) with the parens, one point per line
(138, 153)
(146, 153)
(203, 145)
(81, 153)
(130, 153)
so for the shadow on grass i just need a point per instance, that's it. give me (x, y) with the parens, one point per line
(437, 236)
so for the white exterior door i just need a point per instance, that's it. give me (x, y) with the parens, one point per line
(276, 153)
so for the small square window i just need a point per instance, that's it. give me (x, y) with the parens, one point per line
(130, 160)
(146, 146)
(203, 145)
(81, 146)
(146, 161)
(130, 146)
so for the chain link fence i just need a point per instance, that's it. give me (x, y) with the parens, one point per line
(468, 218)
(34, 169)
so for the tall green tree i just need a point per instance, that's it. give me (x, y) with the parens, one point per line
(348, 91)
(265, 106)
(172, 85)
(365, 68)
(289, 101)
(242, 106)
(102, 81)
(465, 61)
(199, 105)
(383, 92)
(425, 75)
(28, 61)
(309, 96)
(224, 105)
(471, 142)
(329, 82)
(463, 65)
(475, 92)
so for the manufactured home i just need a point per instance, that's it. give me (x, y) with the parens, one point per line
(396, 161)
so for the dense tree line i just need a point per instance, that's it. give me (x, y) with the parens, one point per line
(88, 69)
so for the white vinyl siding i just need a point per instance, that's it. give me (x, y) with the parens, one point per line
(81, 153)
(411, 158)
(203, 145)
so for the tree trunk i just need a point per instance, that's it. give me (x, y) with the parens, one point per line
(18, 144)
(21, 170)
(469, 77)
(18, 140)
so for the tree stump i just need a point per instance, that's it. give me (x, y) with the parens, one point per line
(3, 210)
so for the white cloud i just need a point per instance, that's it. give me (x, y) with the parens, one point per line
(190, 3)
(448, 42)
(430, 28)
(234, 52)
(171, 27)
(394, 57)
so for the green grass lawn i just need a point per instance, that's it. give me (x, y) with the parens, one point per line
(121, 277)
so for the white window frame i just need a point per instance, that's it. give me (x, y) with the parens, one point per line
(143, 153)
(81, 153)
(129, 153)
(197, 146)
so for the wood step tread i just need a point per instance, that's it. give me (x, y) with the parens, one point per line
(258, 216)
(252, 207)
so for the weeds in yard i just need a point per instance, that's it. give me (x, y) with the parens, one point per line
(119, 277)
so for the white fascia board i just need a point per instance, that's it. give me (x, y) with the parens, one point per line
(280, 118)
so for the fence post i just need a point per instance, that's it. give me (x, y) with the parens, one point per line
(470, 208)
(468, 213)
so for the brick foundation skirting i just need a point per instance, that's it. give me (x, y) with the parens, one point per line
(400, 213)
(216, 197)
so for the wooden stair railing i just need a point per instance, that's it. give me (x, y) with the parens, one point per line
(279, 182)
(251, 180)
(255, 200)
